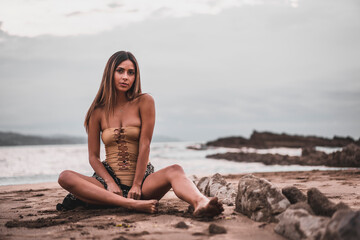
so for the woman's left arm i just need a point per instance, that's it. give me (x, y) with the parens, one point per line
(147, 115)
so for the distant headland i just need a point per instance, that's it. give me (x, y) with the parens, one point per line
(349, 156)
(272, 140)
(17, 139)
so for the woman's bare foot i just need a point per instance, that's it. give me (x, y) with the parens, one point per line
(208, 208)
(149, 206)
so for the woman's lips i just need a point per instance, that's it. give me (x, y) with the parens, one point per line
(124, 84)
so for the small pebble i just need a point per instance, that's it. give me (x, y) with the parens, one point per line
(216, 229)
(262, 225)
(182, 225)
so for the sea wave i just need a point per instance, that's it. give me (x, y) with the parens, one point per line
(35, 164)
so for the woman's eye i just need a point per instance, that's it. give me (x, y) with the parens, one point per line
(120, 70)
(131, 72)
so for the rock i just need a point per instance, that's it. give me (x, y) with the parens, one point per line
(216, 229)
(218, 187)
(182, 225)
(344, 225)
(302, 205)
(215, 183)
(203, 184)
(293, 194)
(197, 147)
(321, 205)
(259, 199)
(295, 224)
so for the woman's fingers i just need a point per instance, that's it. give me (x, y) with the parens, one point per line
(130, 195)
(134, 195)
(137, 196)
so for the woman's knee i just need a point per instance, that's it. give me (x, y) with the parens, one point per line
(65, 178)
(175, 169)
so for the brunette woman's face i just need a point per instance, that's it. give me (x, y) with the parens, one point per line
(124, 76)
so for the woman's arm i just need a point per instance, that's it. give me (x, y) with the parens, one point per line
(147, 115)
(94, 152)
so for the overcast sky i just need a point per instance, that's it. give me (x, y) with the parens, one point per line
(214, 68)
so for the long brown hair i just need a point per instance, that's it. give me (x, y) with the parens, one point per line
(106, 96)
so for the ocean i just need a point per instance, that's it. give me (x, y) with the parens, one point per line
(36, 164)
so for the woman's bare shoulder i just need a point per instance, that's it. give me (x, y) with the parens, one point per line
(146, 98)
(98, 113)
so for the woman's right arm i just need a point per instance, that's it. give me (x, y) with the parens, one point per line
(94, 152)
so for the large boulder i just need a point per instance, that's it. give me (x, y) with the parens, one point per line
(216, 186)
(321, 205)
(298, 223)
(259, 199)
(203, 184)
(344, 225)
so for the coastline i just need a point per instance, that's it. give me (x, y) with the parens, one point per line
(31, 210)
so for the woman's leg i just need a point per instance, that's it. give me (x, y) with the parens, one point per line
(90, 190)
(157, 184)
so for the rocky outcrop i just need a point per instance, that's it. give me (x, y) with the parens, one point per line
(308, 218)
(293, 194)
(311, 220)
(259, 199)
(271, 140)
(296, 224)
(216, 186)
(344, 225)
(272, 159)
(321, 205)
(348, 157)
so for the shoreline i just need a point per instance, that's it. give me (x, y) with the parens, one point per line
(298, 169)
(31, 210)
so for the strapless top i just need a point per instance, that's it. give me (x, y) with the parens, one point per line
(122, 149)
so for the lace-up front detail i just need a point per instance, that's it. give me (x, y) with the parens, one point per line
(123, 154)
(122, 146)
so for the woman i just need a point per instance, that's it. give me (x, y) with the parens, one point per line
(125, 118)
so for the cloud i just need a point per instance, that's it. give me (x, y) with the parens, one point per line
(115, 5)
(76, 13)
(34, 18)
(253, 67)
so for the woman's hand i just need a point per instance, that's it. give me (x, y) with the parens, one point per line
(114, 188)
(135, 192)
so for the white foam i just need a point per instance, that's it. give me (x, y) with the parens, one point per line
(32, 164)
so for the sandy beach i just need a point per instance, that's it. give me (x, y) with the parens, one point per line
(28, 212)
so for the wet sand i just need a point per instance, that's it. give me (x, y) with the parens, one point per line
(28, 211)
